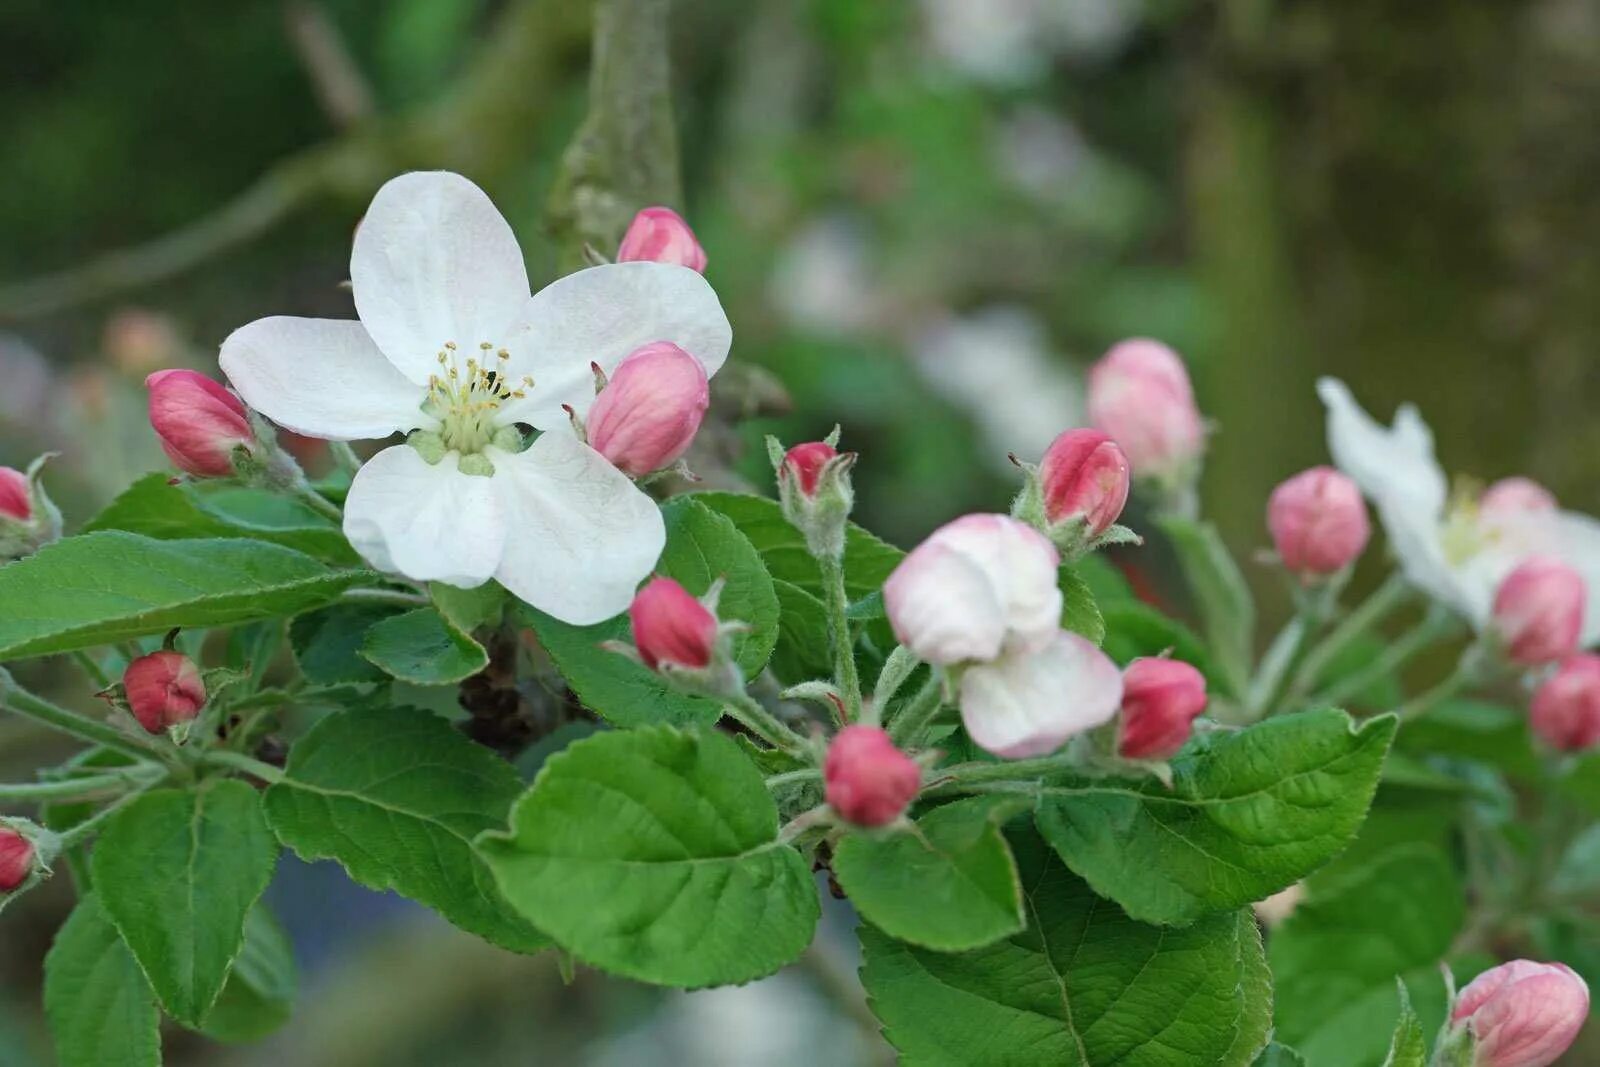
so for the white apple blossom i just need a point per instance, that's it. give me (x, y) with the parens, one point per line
(1030, 701)
(452, 349)
(1450, 548)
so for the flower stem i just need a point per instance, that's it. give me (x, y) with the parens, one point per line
(385, 596)
(90, 826)
(844, 657)
(1458, 679)
(319, 503)
(908, 726)
(238, 761)
(765, 725)
(92, 668)
(1394, 592)
(92, 787)
(789, 777)
(19, 701)
(1436, 627)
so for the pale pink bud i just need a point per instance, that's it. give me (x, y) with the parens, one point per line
(659, 234)
(1160, 699)
(1516, 496)
(199, 421)
(1566, 706)
(672, 628)
(16, 859)
(16, 495)
(650, 410)
(1318, 522)
(1139, 393)
(869, 781)
(976, 586)
(1538, 611)
(1523, 1014)
(1084, 475)
(804, 462)
(163, 689)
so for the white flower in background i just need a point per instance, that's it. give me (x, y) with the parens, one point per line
(1005, 43)
(821, 281)
(451, 345)
(1455, 550)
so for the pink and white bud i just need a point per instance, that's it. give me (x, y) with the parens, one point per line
(1031, 700)
(1516, 496)
(1139, 393)
(1565, 713)
(1084, 477)
(671, 628)
(1318, 522)
(976, 587)
(660, 235)
(868, 781)
(16, 495)
(164, 689)
(803, 465)
(1538, 611)
(816, 492)
(199, 421)
(1160, 700)
(1522, 1014)
(650, 409)
(17, 857)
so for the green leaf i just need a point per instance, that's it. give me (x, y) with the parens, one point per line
(1105, 582)
(178, 871)
(104, 587)
(422, 648)
(653, 854)
(260, 992)
(805, 649)
(1227, 610)
(701, 546)
(154, 507)
(1408, 1047)
(327, 643)
(1079, 612)
(396, 795)
(1083, 986)
(1336, 958)
(1134, 629)
(101, 1008)
(469, 609)
(1276, 1055)
(1247, 815)
(950, 884)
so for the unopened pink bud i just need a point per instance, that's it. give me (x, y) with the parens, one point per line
(1160, 699)
(1516, 496)
(16, 495)
(1523, 1014)
(659, 234)
(650, 410)
(672, 628)
(1318, 522)
(1084, 475)
(1538, 611)
(16, 859)
(199, 422)
(164, 689)
(869, 781)
(1566, 707)
(804, 464)
(1139, 393)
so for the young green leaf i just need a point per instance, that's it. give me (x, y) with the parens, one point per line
(1084, 985)
(101, 1008)
(327, 643)
(177, 871)
(1408, 1047)
(1134, 629)
(108, 586)
(949, 883)
(1246, 816)
(1079, 612)
(1276, 1055)
(469, 609)
(260, 992)
(396, 795)
(423, 648)
(653, 854)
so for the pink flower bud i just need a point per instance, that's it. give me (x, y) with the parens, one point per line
(1523, 1014)
(1160, 699)
(868, 780)
(164, 689)
(1538, 611)
(671, 627)
(1084, 475)
(1139, 393)
(1516, 496)
(16, 495)
(659, 234)
(1566, 706)
(804, 464)
(199, 422)
(1318, 522)
(650, 410)
(16, 859)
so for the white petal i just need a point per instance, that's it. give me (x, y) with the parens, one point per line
(1392, 466)
(1022, 566)
(1030, 703)
(600, 315)
(320, 377)
(435, 261)
(582, 534)
(943, 606)
(426, 521)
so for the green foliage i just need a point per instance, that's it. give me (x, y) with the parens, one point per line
(260, 992)
(423, 648)
(1408, 1047)
(1276, 1055)
(107, 586)
(327, 643)
(396, 795)
(1079, 612)
(1247, 815)
(101, 1008)
(653, 854)
(177, 872)
(1084, 985)
(1134, 629)
(1221, 593)
(468, 609)
(948, 884)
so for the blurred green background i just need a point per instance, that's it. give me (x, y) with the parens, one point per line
(924, 219)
